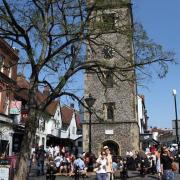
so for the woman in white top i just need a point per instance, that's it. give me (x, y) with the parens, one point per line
(101, 163)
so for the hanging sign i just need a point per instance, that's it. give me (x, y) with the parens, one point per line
(15, 107)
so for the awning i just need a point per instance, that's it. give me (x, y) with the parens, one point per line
(148, 138)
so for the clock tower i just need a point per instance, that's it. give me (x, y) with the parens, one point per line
(114, 114)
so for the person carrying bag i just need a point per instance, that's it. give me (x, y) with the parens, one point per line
(166, 163)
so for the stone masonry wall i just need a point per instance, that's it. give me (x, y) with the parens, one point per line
(123, 95)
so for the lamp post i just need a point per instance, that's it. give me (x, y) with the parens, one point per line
(90, 102)
(176, 125)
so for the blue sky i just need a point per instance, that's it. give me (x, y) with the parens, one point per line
(160, 19)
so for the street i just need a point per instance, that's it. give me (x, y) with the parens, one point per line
(132, 175)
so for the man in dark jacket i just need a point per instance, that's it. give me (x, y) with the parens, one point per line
(40, 157)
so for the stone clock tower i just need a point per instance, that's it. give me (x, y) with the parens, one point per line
(114, 118)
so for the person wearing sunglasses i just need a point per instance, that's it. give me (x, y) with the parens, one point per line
(101, 163)
(166, 161)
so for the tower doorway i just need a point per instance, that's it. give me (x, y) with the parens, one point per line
(113, 146)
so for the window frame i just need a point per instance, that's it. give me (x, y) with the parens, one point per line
(106, 107)
(109, 21)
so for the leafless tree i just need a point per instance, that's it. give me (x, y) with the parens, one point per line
(54, 37)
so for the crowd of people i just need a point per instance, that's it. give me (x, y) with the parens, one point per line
(62, 162)
(158, 160)
(58, 160)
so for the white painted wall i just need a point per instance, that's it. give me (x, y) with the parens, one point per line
(140, 113)
(155, 135)
(57, 117)
(71, 131)
(52, 126)
(65, 133)
(49, 126)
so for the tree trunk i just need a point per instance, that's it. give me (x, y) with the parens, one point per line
(28, 139)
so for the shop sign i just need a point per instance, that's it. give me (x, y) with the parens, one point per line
(4, 172)
(4, 162)
(15, 107)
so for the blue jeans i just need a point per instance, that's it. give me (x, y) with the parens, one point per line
(168, 175)
(101, 176)
(40, 167)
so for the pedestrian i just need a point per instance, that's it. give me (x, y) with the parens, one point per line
(51, 170)
(40, 157)
(31, 158)
(109, 162)
(124, 171)
(166, 163)
(56, 150)
(79, 167)
(64, 165)
(51, 150)
(114, 167)
(58, 159)
(158, 163)
(153, 161)
(101, 165)
(71, 166)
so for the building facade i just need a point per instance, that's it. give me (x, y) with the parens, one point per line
(8, 74)
(71, 130)
(115, 123)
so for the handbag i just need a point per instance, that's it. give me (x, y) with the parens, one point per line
(173, 166)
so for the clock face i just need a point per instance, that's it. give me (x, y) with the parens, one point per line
(108, 52)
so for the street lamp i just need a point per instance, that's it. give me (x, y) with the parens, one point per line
(90, 102)
(176, 125)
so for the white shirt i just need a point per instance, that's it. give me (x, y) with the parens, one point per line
(58, 160)
(51, 151)
(102, 167)
(56, 149)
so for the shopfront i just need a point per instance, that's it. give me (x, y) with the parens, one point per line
(6, 133)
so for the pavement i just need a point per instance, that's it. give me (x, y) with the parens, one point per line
(134, 175)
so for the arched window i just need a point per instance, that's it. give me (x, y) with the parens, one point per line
(110, 112)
